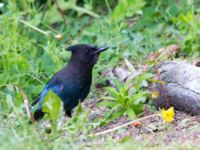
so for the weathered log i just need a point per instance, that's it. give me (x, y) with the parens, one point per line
(181, 88)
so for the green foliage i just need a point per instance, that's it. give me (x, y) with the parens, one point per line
(127, 8)
(67, 5)
(127, 99)
(189, 26)
(52, 106)
(79, 123)
(28, 58)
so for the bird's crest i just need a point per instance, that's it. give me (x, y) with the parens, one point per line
(78, 47)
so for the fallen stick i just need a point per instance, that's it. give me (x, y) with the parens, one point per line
(124, 125)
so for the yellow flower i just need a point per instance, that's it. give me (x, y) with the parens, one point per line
(59, 36)
(168, 115)
(155, 94)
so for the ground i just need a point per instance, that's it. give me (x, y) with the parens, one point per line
(154, 131)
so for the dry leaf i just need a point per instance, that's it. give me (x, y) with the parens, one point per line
(136, 124)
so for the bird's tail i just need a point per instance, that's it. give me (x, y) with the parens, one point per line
(38, 113)
(37, 109)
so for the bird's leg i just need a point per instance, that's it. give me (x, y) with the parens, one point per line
(68, 113)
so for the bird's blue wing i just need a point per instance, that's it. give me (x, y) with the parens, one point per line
(56, 88)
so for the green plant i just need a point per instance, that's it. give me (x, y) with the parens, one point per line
(126, 99)
(78, 122)
(127, 8)
(52, 106)
(67, 5)
(189, 26)
(28, 59)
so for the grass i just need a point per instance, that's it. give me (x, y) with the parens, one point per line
(28, 58)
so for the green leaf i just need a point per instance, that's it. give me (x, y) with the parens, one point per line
(78, 110)
(138, 108)
(112, 91)
(52, 105)
(127, 8)
(116, 114)
(118, 83)
(141, 80)
(117, 106)
(108, 98)
(107, 103)
(131, 113)
(145, 76)
(137, 96)
(9, 101)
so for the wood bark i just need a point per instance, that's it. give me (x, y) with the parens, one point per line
(181, 88)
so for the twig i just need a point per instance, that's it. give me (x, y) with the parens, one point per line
(44, 11)
(26, 102)
(27, 105)
(96, 102)
(60, 11)
(108, 6)
(28, 110)
(86, 11)
(124, 125)
(101, 76)
(34, 27)
(161, 86)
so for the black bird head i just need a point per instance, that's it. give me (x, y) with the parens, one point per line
(86, 54)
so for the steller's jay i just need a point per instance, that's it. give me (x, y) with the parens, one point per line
(72, 83)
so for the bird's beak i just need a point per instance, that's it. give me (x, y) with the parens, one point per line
(99, 50)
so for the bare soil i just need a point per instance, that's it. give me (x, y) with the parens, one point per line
(184, 128)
